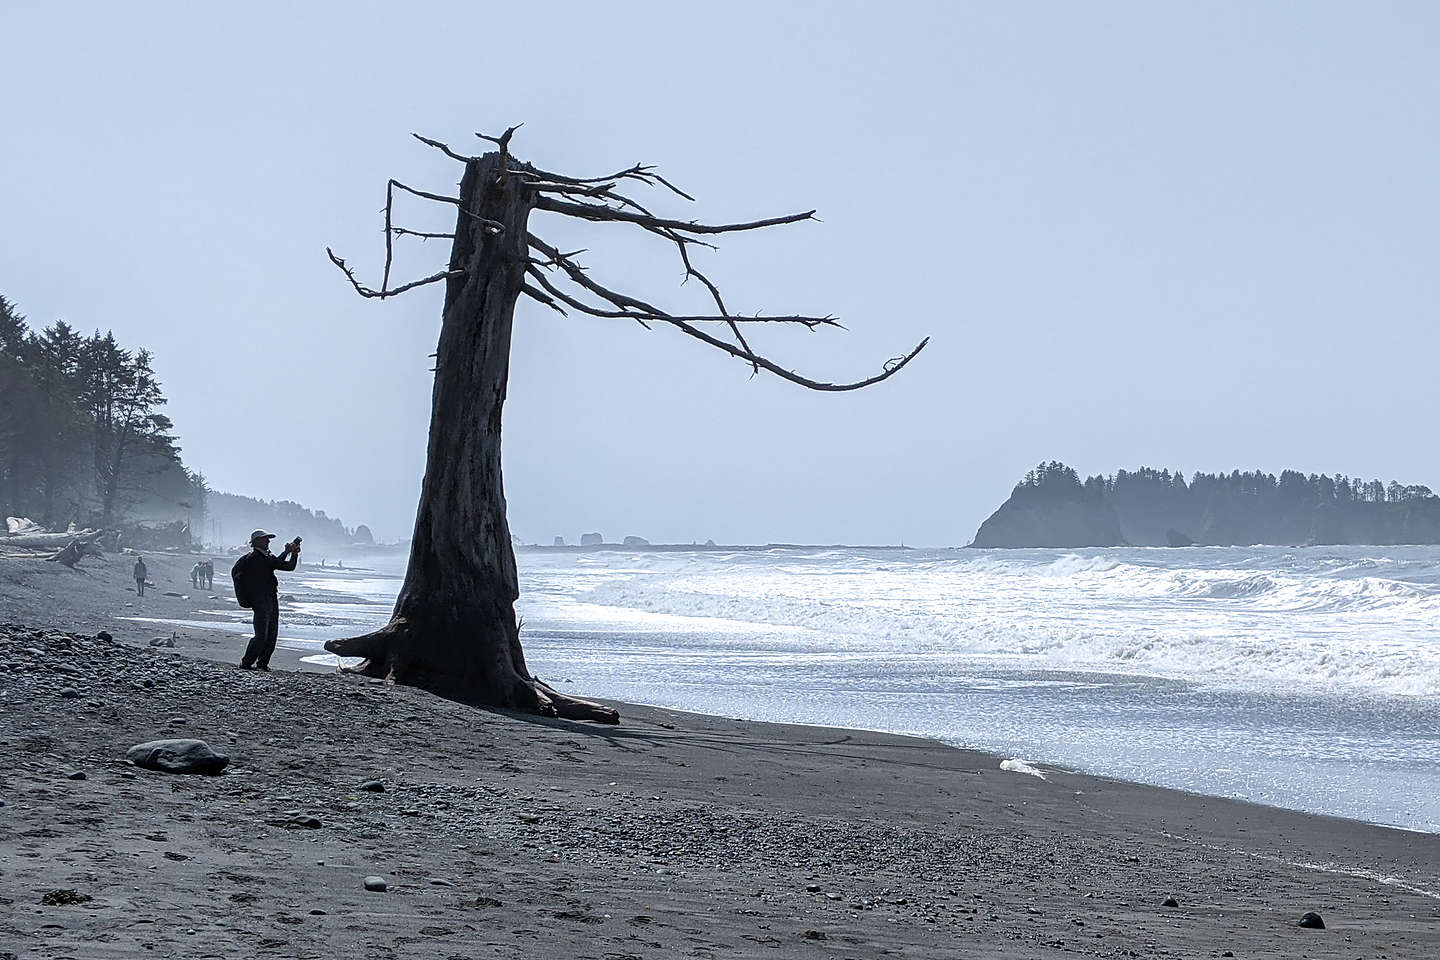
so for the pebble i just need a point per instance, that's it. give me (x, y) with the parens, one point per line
(1312, 921)
(70, 693)
(1170, 902)
(77, 775)
(376, 884)
(372, 786)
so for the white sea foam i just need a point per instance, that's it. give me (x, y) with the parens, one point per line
(1254, 618)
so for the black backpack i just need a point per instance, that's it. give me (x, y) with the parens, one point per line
(240, 577)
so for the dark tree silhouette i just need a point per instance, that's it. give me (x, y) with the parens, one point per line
(454, 629)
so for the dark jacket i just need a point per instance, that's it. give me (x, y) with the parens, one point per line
(140, 571)
(260, 567)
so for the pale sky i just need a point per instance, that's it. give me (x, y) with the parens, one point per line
(1185, 235)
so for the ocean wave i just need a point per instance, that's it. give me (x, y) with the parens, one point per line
(1272, 629)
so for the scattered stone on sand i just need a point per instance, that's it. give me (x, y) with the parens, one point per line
(64, 898)
(372, 786)
(1312, 921)
(162, 641)
(376, 884)
(812, 888)
(70, 693)
(300, 821)
(104, 635)
(814, 935)
(177, 756)
(1170, 902)
(172, 593)
(77, 775)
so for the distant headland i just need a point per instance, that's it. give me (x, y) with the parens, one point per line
(1052, 507)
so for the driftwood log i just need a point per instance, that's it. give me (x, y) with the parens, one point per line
(75, 551)
(50, 541)
(454, 629)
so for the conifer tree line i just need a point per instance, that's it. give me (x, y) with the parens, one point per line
(82, 436)
(1290, 487)
(1053, 507)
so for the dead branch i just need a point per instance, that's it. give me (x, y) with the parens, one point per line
(403, 232)
(587, 211)
(662, 317)
(383, 293)
(502, 141)
(544, 298)
(892, 366)
(442, 148)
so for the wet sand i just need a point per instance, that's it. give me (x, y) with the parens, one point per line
(674, 835)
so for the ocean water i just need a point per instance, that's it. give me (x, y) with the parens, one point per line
(1306, 678)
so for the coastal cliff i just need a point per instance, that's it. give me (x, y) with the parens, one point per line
(1053, 507)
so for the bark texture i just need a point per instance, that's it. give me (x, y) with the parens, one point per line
(454, 629)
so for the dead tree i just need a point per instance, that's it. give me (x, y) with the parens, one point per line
(454, 629)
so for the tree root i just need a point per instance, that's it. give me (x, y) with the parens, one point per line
(384, 656)
(551, 702)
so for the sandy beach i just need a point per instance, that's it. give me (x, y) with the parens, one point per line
(673, 835)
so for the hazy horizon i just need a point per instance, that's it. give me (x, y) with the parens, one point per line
(1182, 236)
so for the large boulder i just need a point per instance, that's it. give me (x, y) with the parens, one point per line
(1174, 538)
(591, 540)
(177, 756)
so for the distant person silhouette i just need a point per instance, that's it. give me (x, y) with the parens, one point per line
(196, 572)
(257, 568)
(208, 569)
(140, 572)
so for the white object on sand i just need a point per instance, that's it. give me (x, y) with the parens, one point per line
(1020, 766)
(16, 526)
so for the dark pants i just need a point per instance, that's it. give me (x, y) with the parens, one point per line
(267, 624)
(140, 586)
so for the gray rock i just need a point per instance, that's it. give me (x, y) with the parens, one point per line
(77, 775)
(70, 693)
(1170, 902)
(177, 756)
(1312, 921)
(372, 786)
(376, 884)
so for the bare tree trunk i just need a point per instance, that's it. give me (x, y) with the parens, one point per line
(454, 629)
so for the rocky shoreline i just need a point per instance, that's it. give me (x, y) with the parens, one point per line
(497, 835)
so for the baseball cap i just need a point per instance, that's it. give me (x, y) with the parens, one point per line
(261, 535)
